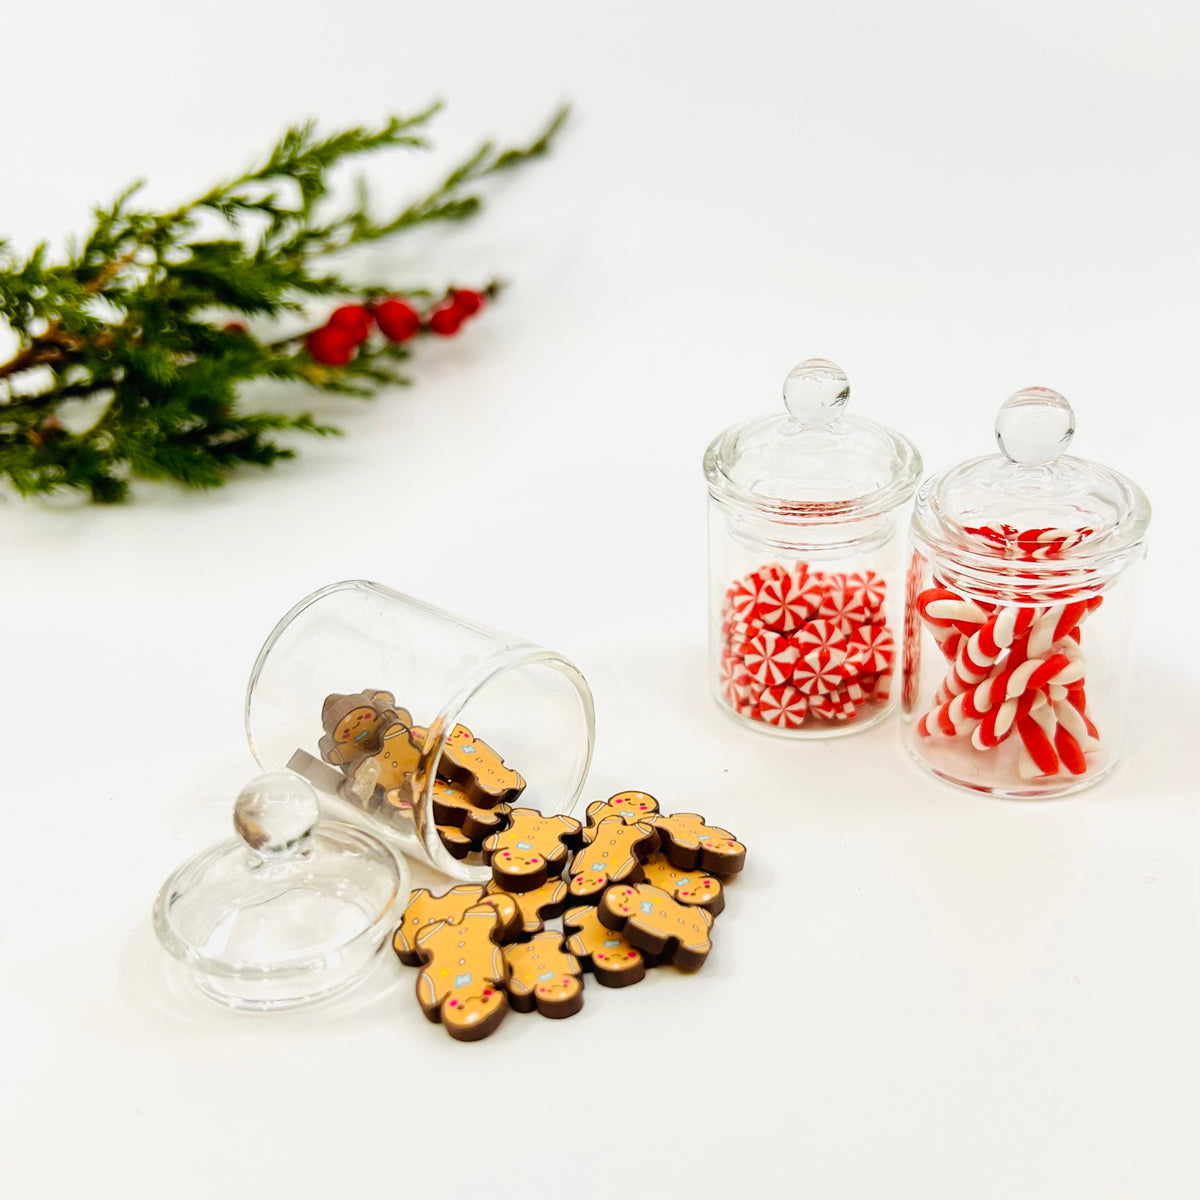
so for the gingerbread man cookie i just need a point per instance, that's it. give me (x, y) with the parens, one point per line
(424, 908)
(688, 842)
(353, 724)
(468, 761)
(456, 842)
(453, 806)
(537, 907)
(686, 886)
(614, 961)
(630, 806)
(653, 922)
(544, 976)
(613, 852)
(462, 982)
(389, 771)
(530, 850)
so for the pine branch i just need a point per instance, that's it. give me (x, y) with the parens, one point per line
(136, 324)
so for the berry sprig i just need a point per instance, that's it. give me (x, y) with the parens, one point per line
(337, 342)
(133, 347)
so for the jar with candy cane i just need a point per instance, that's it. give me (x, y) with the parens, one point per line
(806, 561)
(1018, 610)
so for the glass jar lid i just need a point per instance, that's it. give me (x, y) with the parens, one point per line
(814, 462)
(290, 911)
(1062, 519)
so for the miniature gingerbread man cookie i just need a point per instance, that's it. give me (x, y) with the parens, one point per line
(629, 806)
(353, 723)
(462, 982)
(538, 906)
(614, 961)
(688, 843)
(424, 908)
(544, 976)
(457, 844)
(613, 852)
(468, 761)
(530, 850)
(686, 886)
(453, 806)
(655, 923)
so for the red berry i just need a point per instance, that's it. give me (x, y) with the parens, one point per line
(236, 327)
(331, 345)
(446, 320)
(468, 303)
(397, 322)
(354, 319)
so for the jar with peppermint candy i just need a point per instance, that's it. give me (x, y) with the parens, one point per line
(1020, 597)
(806, 561)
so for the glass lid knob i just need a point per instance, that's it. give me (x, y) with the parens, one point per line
(276, 814)
(1034, 426)
(816, 391)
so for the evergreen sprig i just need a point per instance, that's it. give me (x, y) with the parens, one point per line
(134, 327)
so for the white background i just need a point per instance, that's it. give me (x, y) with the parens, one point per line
(915, 992)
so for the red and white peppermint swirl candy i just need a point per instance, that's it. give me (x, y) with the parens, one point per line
(820, 635)
(824, 707)
(783, 706)
(740, 598)
(770, 657)
(820, 672)
(873, 647)
(882, 689)
(846, 701)
(742, 634)
(871, 590)
(781, 605)
(843, 609)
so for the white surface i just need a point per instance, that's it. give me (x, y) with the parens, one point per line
(915, 993)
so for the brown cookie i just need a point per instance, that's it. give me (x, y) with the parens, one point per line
(614, 961)
(424, 908)
(688, 843)
(613, 852)
(530, 850)
(544, 976)
(389, 770)
(686, 886)
(462, 981)
(353, 723)
(630, 806)
(457, 842)
(453, 806)
(655, 923)
(468, 761)
(537, 907)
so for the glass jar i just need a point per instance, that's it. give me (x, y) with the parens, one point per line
(805, 561)
(1020, 601)
(407, 713)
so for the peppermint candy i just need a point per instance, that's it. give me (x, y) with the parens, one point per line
(873, 647)
(770, 657)
(820, 672)
(781, 605)
(783, 706)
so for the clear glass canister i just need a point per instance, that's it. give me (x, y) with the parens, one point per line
(1020, 600)
(806, 562)
(428, 725)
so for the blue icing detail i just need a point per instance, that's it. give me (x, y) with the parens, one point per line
(612, 941)
(680, 882)
(467, 750)
(598, 866)
(462, 980)
(646, 906)
(702, 837)
(545, 975)
(524, 845)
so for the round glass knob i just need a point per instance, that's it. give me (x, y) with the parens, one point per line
(816, 391)
(1034, 425)
(275, 814)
